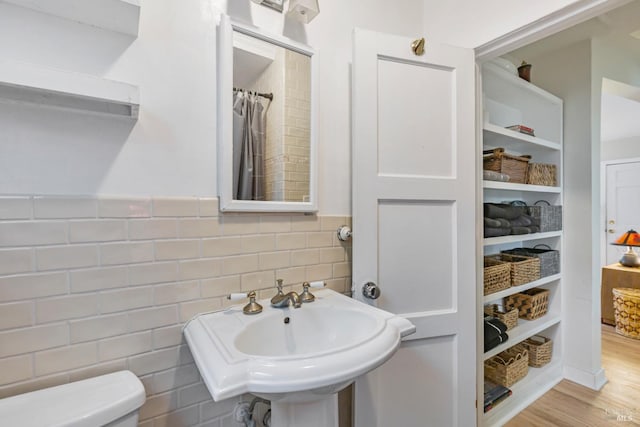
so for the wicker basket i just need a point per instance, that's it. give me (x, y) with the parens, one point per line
(531, 304)
(542, 174)
(498, 161)
(523, 269)
(549, 258)
(545, 216)
(508, 317)
(540, 350)
(497, 275)
(508, 367)
(626, 310)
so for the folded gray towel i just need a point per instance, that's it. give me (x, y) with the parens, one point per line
(521, 221)
(495, 232)
(500, 210)
(520, 230)
(489, 222)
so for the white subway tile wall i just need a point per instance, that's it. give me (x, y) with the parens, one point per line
(91, 285)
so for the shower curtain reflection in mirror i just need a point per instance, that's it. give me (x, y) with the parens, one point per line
(249, 139)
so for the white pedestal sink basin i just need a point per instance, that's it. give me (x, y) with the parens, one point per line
(297, 358)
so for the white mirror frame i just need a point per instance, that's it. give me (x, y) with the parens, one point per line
(225, 121)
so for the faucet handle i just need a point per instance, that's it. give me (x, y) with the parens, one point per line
(279, 286)
(307, 296)
(253, 307)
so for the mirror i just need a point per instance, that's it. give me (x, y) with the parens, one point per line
(266, 121)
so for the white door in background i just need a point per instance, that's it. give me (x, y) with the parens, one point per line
(414, 226)
(623, 204)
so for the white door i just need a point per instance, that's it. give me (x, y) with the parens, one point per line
(623, 204)
(414, 226)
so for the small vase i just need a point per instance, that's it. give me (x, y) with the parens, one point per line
(524, 71)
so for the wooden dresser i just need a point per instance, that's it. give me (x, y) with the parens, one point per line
(616, 276)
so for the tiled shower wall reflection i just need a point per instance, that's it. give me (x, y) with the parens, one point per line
(94, 285)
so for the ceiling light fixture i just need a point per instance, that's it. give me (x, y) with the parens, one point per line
(303, 10)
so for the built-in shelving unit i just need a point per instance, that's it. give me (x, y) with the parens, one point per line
(66, 89)
(509, 100)
(121, 16)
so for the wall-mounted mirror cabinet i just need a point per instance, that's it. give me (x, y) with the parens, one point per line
(267, 145)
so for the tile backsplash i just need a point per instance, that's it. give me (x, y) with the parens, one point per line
(91, 285)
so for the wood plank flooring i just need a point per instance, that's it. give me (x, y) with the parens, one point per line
(571, 405)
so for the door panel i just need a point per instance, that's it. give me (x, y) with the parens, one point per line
(415, 248)
(414, 226)
(435, 367)
(405, 91)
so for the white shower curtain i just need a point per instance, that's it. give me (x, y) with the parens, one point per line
(248, 147)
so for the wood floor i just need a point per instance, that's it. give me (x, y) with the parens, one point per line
(617, 404)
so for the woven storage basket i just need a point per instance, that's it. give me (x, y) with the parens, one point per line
(497, 275)
(498, 161)
(549, 258)
(626, 310)
(542, 174)
(547, 217)
(540, 350)
(508, 367)
(531, 304)
(508, 317)
(523, 269)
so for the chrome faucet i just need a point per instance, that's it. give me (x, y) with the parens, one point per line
(281, 300)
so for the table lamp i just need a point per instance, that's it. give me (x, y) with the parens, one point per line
(630, 239)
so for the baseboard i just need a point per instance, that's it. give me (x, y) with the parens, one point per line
(594, 381)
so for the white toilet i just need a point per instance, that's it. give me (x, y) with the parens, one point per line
(110, 400)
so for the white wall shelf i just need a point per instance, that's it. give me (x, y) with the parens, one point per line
(121, 16)
(516, 289)
(496, 136)
(513, 186)
(27, 83)
(511, 81)
(489, 241)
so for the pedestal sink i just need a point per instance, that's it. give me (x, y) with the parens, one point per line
(296, 358)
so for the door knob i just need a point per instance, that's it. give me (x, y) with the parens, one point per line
(371, 290)
(611, 231)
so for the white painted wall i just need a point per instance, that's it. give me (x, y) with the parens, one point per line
(626, 148)
(567, 73)
(171, 150)
(472, 23)
(615, 59)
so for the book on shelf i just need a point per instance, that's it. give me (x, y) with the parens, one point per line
(522, 129)
(494, 394)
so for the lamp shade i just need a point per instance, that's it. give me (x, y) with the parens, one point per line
(630, 238)
(303, 10)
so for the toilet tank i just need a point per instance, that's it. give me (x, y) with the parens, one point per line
(108, 400)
